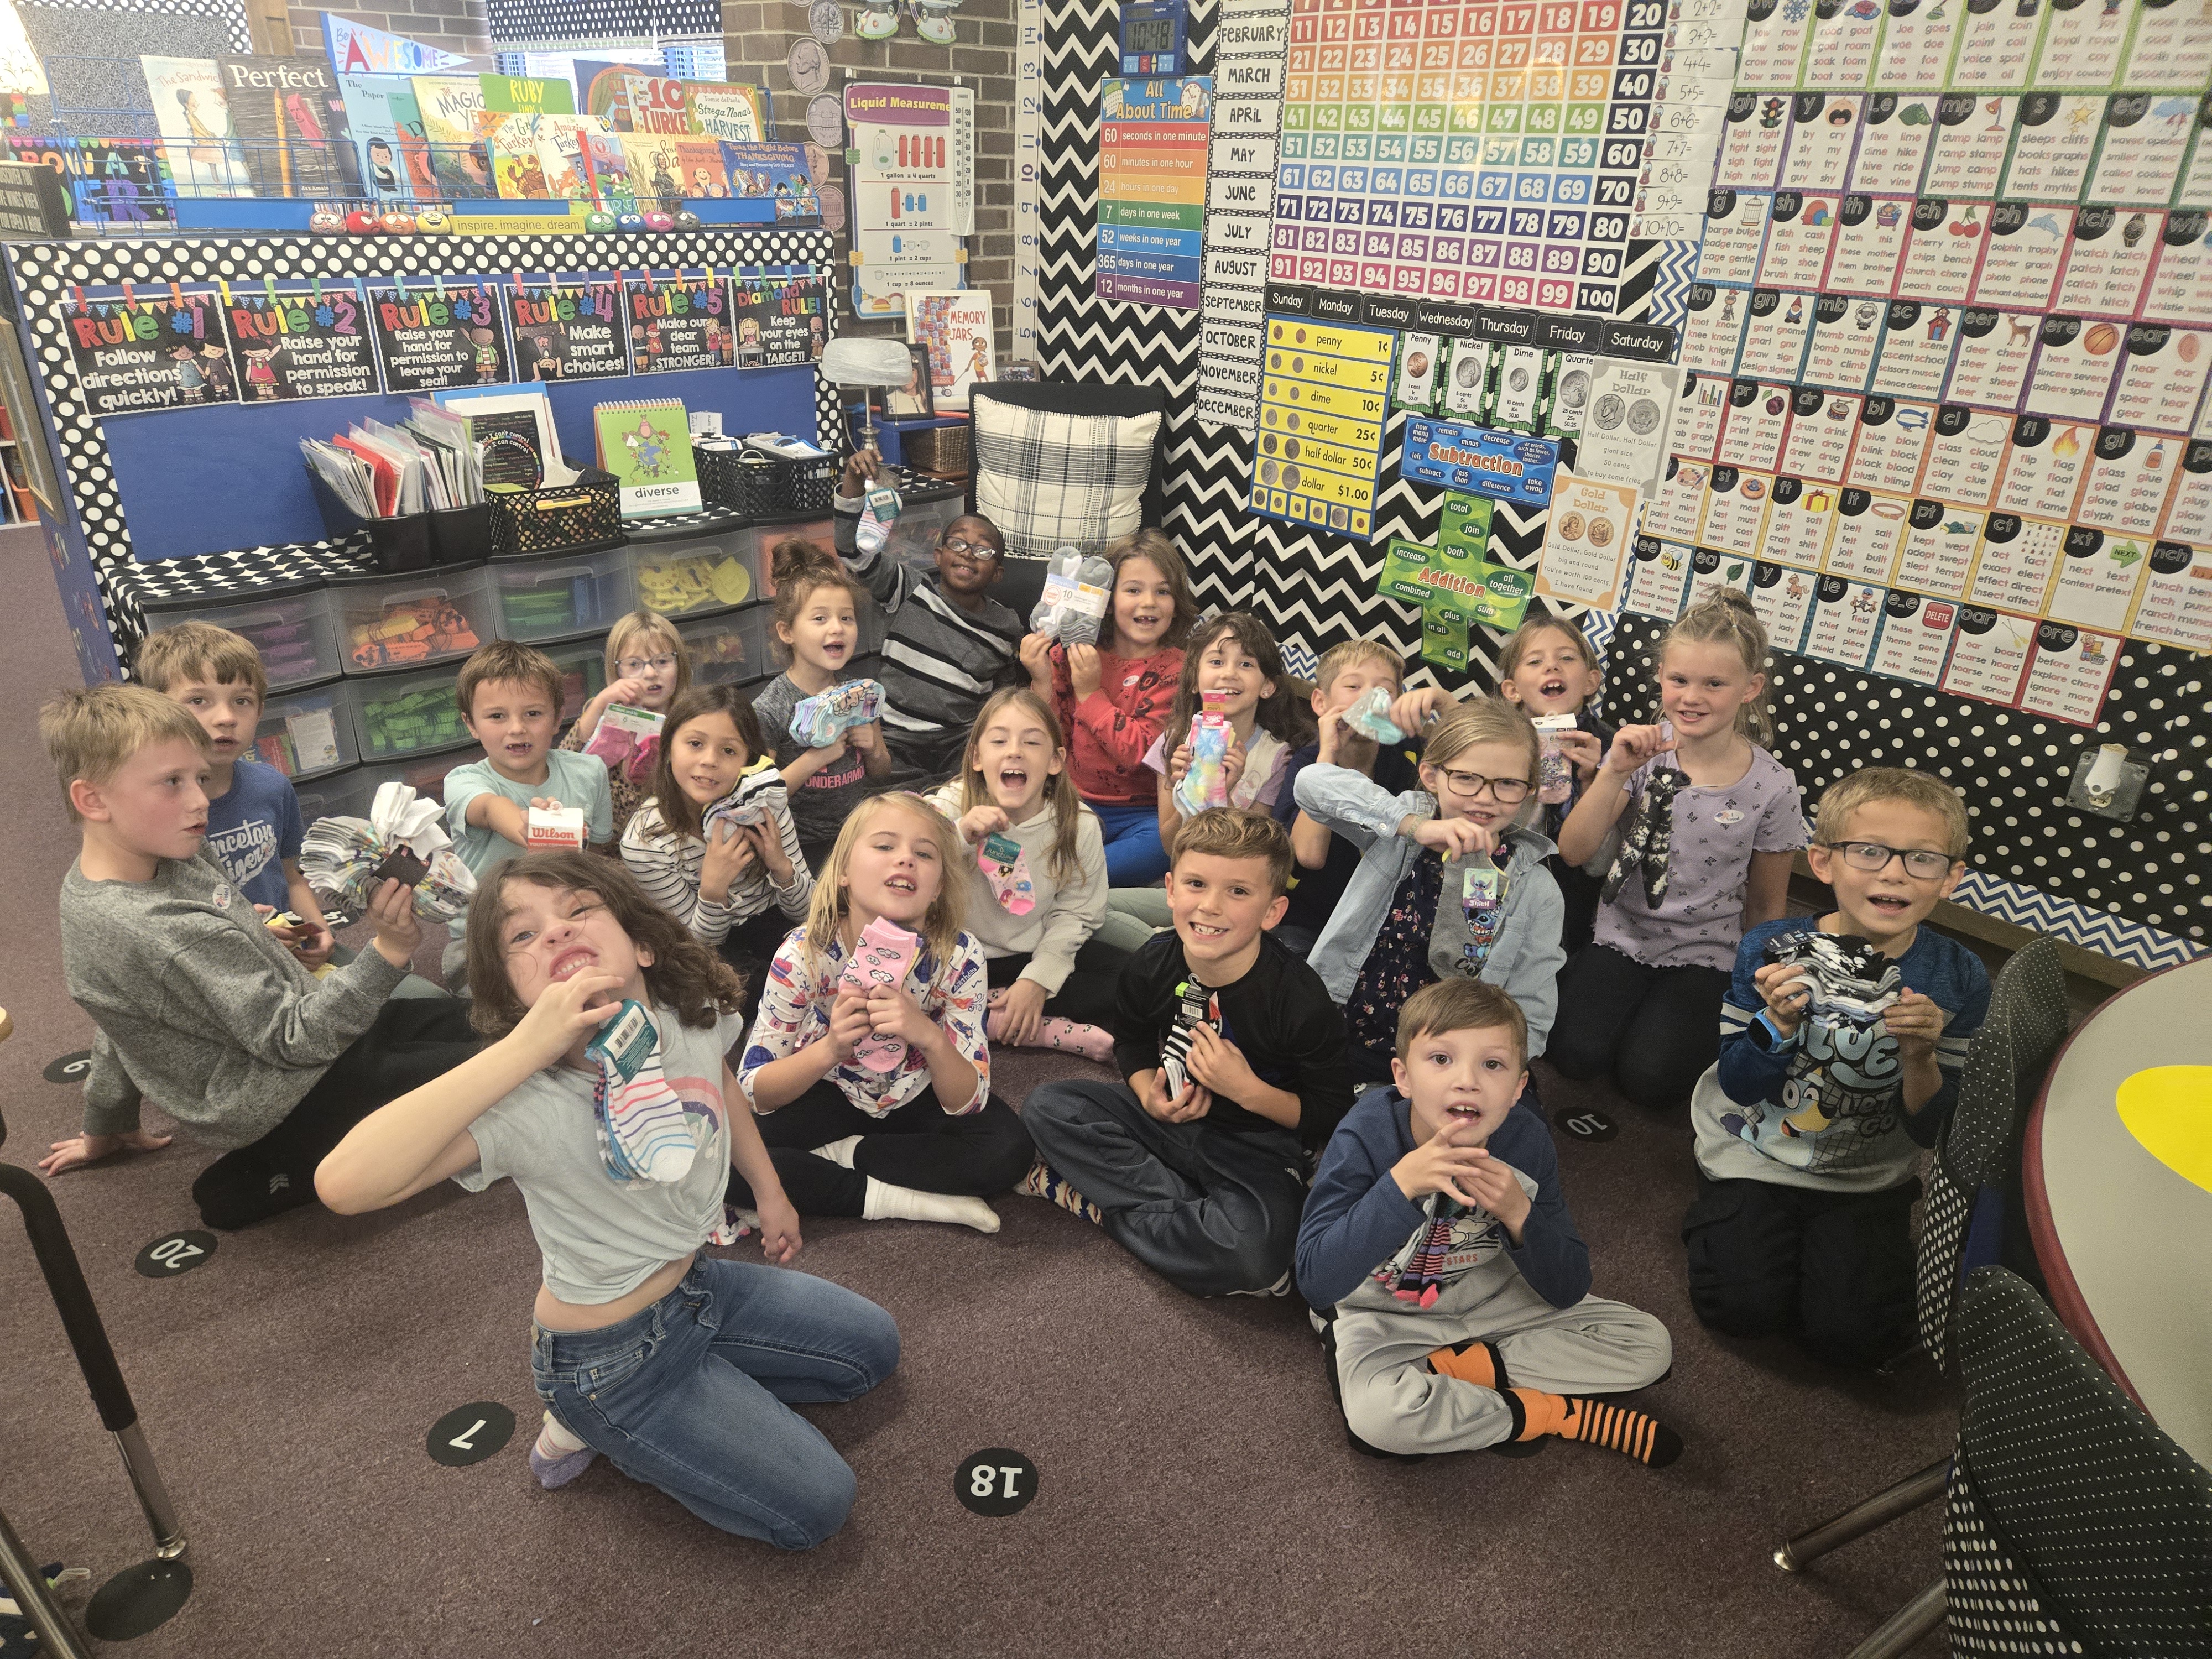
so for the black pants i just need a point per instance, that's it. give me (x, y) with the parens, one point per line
(1834, 1269)
(1581, 892)
(1655, 1030)
(748, 947)
(915, 1146)
(1086, 995)
(411, 1041)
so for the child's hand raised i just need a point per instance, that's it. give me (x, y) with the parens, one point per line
(1917, 1021)
(392, 911)
(1785, 990)
(1632, 746)
(1414, 710)
(861, 469)
(1037, 659)
(1442, 1163)
(849, 1022)
(629, 691)
(1083, 668)
(978, 821)
(1455, 837)
(567, 1009)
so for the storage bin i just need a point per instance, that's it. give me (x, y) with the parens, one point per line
(400, 713)
(706, 562)
(307, 731)
(820, 528)
(740, 479)
(285, 613)
(557, 517)
(583, 666)
(731, 648)
(349, 794)
(317, 794)
(398, 622)
(538, 598)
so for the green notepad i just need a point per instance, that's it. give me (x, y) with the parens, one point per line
(648, 445)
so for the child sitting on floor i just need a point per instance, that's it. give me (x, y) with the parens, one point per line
(1326, 861)
(1447, 887)
(738, 887)
(1714, 819)
(947, 644)
(1052, 984)
(647, 667)
(1451, 1288)
(1808, 1125)
(197, 1003)
(510, 701)
(1112, 698)
(1233, 1061)
(681, 1367)
(878, 1103)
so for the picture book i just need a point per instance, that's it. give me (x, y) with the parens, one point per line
(762, 171)
(373, 113)
(656, 103)
(560, 140)
(648, 445)
(609, 175)
(193, 116)
(518, 168)
(652, 168)
(414, 146)
(519, 94)
(602, 90)
(722, 111)
(117, 181)
(956, 327)
(278, 112)
(700, 170)
(448, 106)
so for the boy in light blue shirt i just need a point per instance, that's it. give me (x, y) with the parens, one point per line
(510, 700)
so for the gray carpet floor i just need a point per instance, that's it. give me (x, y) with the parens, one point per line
(1197, 1493)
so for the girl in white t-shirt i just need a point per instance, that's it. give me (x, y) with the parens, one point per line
(680, 1366)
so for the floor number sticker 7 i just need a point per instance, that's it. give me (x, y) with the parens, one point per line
(469, 1434)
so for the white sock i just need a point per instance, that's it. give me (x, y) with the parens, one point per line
(839, 1152)
(554, 1435)
(885, 1202)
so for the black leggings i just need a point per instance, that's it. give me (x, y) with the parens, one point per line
(1655, 1029)
(915, 1146)
(1086, 995)
(410, 1041)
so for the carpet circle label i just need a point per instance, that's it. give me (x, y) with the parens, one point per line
(1584, 1125)
(995, 1481)
(469, 1434)
(70, 1068)
(175, 1253)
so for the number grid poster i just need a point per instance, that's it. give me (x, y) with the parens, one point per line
(1153, 145)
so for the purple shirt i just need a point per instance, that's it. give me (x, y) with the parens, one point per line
(1715, 831)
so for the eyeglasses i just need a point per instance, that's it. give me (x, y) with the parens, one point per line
(982, 550)
(1508, 790)
(1872, 857)
(634, 667)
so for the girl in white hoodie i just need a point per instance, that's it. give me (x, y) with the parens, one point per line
(1053, 985)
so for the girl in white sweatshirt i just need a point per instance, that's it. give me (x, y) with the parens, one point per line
(1053, 985)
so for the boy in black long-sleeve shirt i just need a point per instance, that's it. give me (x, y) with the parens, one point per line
(1203, 1180)
(1437, 1245)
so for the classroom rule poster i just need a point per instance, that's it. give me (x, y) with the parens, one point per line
(431, 339)
(572, 333)
(905, 195)
(779, 321)
(133, 355)
(301, 341)
(682, 323)
(1153, 146)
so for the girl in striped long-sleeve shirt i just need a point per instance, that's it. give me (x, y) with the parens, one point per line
(742, 885)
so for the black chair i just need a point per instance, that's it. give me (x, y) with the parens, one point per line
(140, 1598)
(2074, 1524)
(1963, 1227)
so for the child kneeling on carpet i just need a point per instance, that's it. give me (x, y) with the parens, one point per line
(1451, 1288)
(1036, 880)
(1808, 1125)
(1449, 885)
(681, 1367)
(877, 1102)
(1233, 1055)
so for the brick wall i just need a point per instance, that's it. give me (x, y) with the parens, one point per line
(456, 26)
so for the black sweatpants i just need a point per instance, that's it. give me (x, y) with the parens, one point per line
(411, 1041)
(1834, 1269)
(915, 1146)
(1655, 1029)
(1581, 892)
(1086, 995)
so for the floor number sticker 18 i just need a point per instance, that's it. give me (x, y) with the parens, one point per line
(995, 1481)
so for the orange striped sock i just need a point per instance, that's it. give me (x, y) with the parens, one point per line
(1598, 1423)
(1471, 1361)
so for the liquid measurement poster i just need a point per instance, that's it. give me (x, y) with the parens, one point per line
(906, 197)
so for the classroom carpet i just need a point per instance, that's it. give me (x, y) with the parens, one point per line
(1196, 1491)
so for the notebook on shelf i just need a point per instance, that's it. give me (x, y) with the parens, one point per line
(647, 445)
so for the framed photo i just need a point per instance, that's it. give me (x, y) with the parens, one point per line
(913, 401)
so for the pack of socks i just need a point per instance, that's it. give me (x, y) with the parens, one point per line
(1197, 1007)
(886, 951)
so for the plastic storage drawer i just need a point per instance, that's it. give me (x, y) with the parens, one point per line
(402, 621)
(544, 599)
(318, 796)
(307, 731)
(290, 622)
(583, 666)
(350, 794)
(703, 562)
(402, 714)
(820, 528)
(730, 649)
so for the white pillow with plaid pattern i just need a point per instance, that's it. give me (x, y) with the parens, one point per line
(1052, 481)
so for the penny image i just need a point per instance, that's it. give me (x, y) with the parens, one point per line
(1609, 413)
(1571, 526)
(1600, 533)
(1417, 364)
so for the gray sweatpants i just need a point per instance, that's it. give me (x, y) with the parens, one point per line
(1394, 1402)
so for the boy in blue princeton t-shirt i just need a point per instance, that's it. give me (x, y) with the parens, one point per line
(1805, 1149)
(254, 827)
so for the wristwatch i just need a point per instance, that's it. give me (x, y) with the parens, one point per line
(1768, 1036)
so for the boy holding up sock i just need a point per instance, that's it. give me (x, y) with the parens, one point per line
(1233, 1054)
(1452, 1288)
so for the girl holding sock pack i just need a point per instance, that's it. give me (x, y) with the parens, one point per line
(648, 668)
(1712, 819)
(877, 1102)
(1052, 985)
(681, 1368)
(1449, 884)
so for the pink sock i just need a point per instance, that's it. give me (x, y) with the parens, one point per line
(1092, 1042)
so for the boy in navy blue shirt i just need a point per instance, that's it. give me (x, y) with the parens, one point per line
(1452, 1288)
(1806, 1130)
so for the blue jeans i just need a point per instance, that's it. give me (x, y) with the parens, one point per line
(1134, 856)
(692, 1395)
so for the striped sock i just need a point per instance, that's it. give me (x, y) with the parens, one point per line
(1471, 1361)
(1047, 1183)
(1596, 1422)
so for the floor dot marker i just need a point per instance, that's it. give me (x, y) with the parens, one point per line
(1587, 1124)
(995, 1481)
(469, 1434)
(70, 1068)
(175, 1253)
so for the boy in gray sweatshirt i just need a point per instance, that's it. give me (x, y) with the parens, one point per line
(197, 1003)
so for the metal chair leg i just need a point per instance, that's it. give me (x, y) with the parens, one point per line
(1862, 1518)
(57, 1635)
(1905, 1627)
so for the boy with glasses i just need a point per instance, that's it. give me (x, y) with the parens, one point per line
(948, 645)
(1827, 1088)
